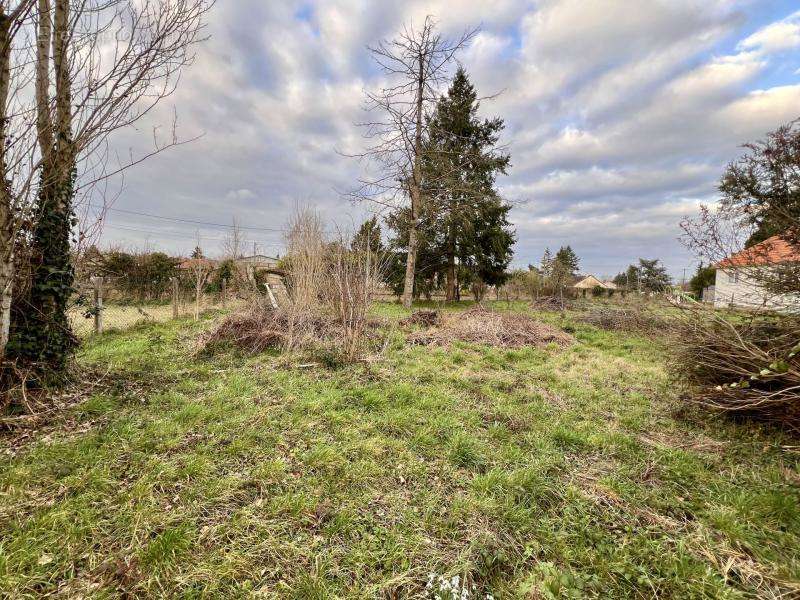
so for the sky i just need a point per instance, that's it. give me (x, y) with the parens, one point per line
(620, 118)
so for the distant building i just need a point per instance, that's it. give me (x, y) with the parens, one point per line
(738, 285)
(258, 261)
(590, 282)
(190, 263)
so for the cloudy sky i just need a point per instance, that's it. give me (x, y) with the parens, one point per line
(620, 116)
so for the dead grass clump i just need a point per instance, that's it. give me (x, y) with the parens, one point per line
(747, 364)
(635, 319)
(498, 329)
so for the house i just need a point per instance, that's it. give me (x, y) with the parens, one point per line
(590, 283)
(190, 264)
(258, 262)
(738, 283)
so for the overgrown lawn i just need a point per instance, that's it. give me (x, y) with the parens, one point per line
(552, 473)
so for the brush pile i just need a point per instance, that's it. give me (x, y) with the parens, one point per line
(425, 318)
(626, 319)
(552, 303)
(480, 326)
(260, 329)
(749, 364)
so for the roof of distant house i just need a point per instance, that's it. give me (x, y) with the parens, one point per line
(590, 282)
(191, 263)
(772, 251)
(258, 258)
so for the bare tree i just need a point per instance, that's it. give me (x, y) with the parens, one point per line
(200, 269)
(355, 273)
(305, 248)
(416, 64)
(100, 65)
(305, 251)
(16, 144)
(759, 205)
(233, 243)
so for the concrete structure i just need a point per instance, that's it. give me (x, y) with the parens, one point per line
(739, 279)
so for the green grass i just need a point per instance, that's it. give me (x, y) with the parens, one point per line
(534, 473)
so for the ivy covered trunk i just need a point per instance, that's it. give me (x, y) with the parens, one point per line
(42, 336)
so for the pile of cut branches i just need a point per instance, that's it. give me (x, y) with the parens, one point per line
(629, 319)
(426, 318)
(552, 303)
(744, 363)
(259, 329)
(481, 326)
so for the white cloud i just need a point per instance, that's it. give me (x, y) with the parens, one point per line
(620, 113)
(775, 37)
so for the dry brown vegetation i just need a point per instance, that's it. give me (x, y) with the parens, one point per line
(741, 363)
(331, 285)
(481, 326)
(260, 329)
(632, 319)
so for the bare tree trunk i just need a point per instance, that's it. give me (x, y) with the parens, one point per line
(451, 263)
(65, 155)
(411, 260)
(6, 208)
(6, 220)
(416, 186)
(197, 289)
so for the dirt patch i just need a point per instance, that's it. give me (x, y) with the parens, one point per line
(497, 329)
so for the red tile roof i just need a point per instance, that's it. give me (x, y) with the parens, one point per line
(772, 251)
(191, 263)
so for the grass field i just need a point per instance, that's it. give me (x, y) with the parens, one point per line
(532, 473)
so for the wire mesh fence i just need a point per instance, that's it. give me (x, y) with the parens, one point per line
(103, 304)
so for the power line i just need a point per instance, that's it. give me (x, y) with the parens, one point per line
(183, 235)
(190, 221)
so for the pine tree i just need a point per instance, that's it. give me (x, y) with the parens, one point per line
(368, 236)
(467, 217)
(703, 278)
(547, 264)
(653, 276)
(567, 260)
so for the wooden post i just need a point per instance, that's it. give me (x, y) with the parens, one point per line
(224, 291)
(175, 297)
(98, 304)
(272, 299)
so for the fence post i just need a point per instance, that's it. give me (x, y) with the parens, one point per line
(98, 304)
(175, 298)
(224, 292)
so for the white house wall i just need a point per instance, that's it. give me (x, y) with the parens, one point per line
(737, 288)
